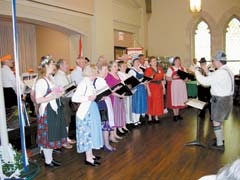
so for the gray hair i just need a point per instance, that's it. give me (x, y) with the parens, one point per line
(230, 171)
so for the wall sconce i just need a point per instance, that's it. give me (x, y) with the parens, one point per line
(120, 36)
(195, 5)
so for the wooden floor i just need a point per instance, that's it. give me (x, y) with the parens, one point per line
(154, 152)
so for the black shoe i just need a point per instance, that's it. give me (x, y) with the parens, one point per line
(119, 133)
(150, 122)
(56, 163)
(53, 164)
(180, 117)
(59, 150)
(215, 146)
(42, 155)
(129, 126)
(201, 116)
(215, 141)
(125, 130)
(157, 121)
(49, 165)
(97, 158)
(175, 118)
(94, 163)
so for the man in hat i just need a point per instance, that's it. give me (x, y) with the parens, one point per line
(8, 81)
(221, 84)
(204, 91)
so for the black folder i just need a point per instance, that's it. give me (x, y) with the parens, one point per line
(70, 88)
(131, 82)
(183, 75)
(146, 79)
(122, 89)
(102, 93)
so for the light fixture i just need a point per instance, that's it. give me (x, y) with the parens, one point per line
(195, 5)
(120, 36)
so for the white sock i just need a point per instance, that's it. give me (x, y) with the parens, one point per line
(222, 133)
(48, 155)
(219, 135)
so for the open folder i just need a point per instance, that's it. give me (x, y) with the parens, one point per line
(146, 79)
(70, 88)
(122, 89)
(106, 91)
(131, 82)
(183, 75)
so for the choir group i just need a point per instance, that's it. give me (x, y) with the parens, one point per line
(101, 119)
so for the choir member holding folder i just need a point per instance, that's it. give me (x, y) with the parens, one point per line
(176, 88)
(130, 82)
(139, 98)
(105, 105)
(155, 90)
(112, 80)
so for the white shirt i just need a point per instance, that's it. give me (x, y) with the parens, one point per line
(8, 78)
(84, 89)
(221, 81)
(76, 74)
(41, 88)
(132, 72)
(170, 72)
(101, 83)
(61, 78)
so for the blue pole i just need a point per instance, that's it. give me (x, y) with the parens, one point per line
(20, 106)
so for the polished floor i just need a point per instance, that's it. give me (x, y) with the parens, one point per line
(154, 152)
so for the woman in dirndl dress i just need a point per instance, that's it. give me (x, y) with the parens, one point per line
(88, 121)
(176, 89)
(119, 111)
(105, 106)
(51, 132)
(139, 98)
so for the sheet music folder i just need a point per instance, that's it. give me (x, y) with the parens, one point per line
(196, 103)
(122, 89)
(70, 88)
(145, 79)
(102, 93)
(183, 75)
(131, 82)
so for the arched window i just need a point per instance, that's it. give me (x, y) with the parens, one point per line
(233, 45)
(202, 41)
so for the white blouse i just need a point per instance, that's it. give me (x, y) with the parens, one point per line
(84, 89)
(41, 88)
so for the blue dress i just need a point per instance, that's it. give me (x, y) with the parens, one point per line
(139, 98)
(88, 130)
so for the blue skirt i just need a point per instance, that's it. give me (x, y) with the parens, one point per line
(139, 100)
(89, 131)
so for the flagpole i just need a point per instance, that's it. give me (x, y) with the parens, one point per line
(20, 106)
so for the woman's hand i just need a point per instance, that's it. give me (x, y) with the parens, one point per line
(92, 97)
(57, 92)
(175, 76)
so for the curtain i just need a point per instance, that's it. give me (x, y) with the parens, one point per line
(26, 44)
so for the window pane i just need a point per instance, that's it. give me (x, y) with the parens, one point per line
(202, 41)
(233, 45)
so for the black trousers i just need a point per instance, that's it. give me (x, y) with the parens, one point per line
(10, 97)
